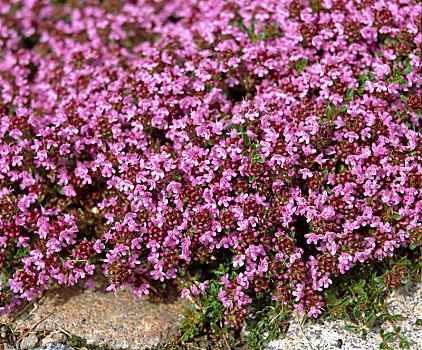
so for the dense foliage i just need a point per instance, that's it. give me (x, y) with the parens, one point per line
(240, 150)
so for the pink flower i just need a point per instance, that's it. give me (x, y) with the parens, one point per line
(314, 312)
(185, 293)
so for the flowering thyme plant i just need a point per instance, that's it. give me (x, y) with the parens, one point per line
(152, 138)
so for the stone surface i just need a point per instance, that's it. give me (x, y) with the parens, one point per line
(103, 318)
(28, 342)
(330, 335)
(54, 346)
(54, 337)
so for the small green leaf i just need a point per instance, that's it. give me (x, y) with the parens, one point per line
(257, 158)
(349, 93)
(383, 345)
(343, 108)
(245, 139)
(350, 327)
(346, 300)
(330, 297)
(388, 336)
(396, 71)
(371, 319)
(407, 70)
(246, 154)
(397, 317)
(402, 337)
(252, 179)
(418, 322)
(396, 216)
(328, 112)
(379, 279)
(404, 82)
(413, 246)
(357, 312)
(260, 36)
(185, 337)
(404, 98)
(397, 79)
(214, 327)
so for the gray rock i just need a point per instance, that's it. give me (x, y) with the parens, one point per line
(29, 342)
(54, 337)
(330, 335)
(3, 332)
(54, 346)
(8, 347)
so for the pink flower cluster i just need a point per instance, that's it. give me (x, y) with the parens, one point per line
(283, 136)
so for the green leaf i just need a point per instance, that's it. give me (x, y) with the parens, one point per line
(349, 93)
(402, 337)
(404, 98)
(371, 319)
(413, 246)
(350, 327)
(343, 108)
(404, 82)
(252, 179)
(246, 154)
(357, 312)
(407, 70)
(346, 300)
(330, 297)
(396, 71)
(214, 327)
(379, 279)
(185, 337)
(418, 322)
(388, 336)
(245, 139)
(260, 36)
(257, 158)
(396, 216)
(397, 79)
(397, 317)
(328, 112)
